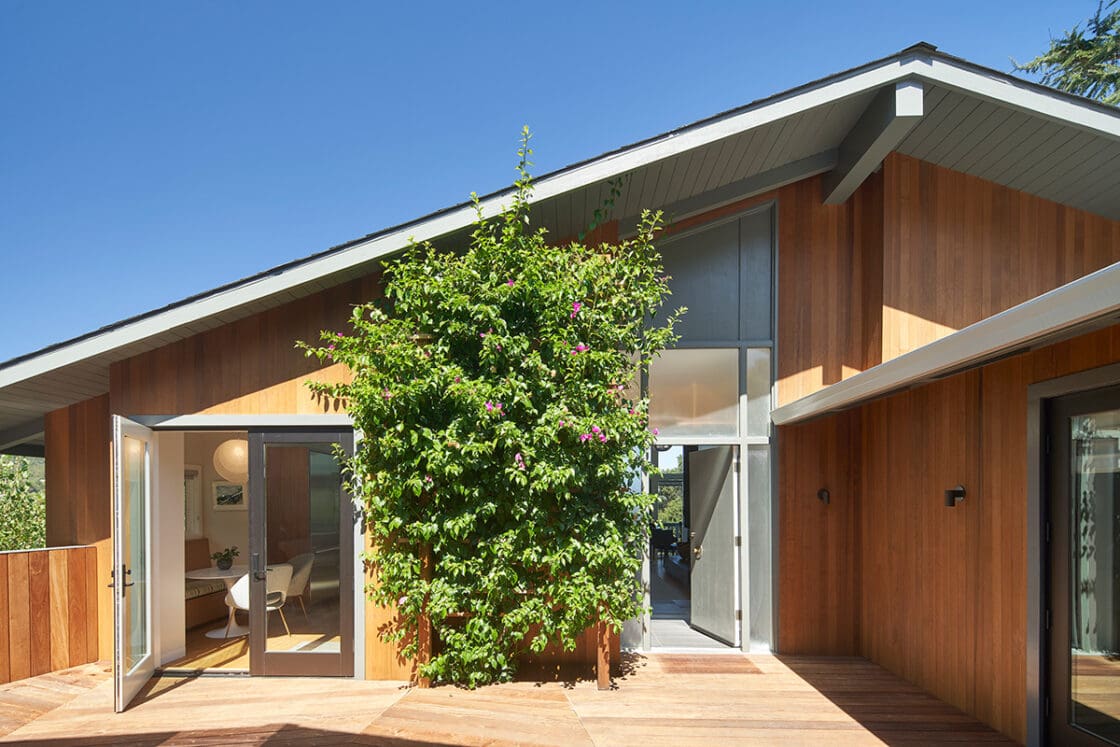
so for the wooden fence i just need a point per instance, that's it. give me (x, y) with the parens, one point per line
(48, 610)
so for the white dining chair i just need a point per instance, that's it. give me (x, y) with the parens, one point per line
(301, 574)
(277, 580)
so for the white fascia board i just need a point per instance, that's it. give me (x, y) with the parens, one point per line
(1092, 297)
(1053, 105)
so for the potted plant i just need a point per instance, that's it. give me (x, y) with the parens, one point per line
(225, 558)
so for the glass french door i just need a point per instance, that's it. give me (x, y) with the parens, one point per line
(1084, 560)
(301, 554)
(133, 659)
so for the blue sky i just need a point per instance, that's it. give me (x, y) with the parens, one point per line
(152, 150)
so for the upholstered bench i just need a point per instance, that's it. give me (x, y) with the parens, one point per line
(205, 599)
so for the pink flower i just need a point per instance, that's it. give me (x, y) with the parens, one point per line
(656, 432)
(489, 407)
(602, 438)
(631, 411)
(581, 348)
(330, 347)
(594, 429)
(510, 282)
(387, 394)
(576, 306)
(519, 461)
(562, 423)
(584, 437)
(340, 334)
(457, 379)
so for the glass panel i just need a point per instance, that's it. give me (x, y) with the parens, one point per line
(695, 392)
(1095, 574)
(758, 392)
(303, 494)
(759, 536)
(134, 511)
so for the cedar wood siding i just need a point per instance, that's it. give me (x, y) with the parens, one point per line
(885, 571)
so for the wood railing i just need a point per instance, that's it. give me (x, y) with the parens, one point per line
(48, 610)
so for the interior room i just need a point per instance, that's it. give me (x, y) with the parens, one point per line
(205, 615)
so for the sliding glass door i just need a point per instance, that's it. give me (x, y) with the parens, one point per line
(301, 554)
(1084, 603)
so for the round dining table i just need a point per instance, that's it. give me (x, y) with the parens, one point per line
(229, 576)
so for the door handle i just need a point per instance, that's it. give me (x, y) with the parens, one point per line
(698, 551)
(255, 566)
(125, 572)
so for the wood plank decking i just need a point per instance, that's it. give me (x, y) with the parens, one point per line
(663, 699)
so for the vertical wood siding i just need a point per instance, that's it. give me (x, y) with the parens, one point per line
(941, 592)
(44, 595)
(958, 249)
(917, 253)
(79, 501)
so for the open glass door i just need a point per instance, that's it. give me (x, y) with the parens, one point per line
(712, 541)
(301, 555)
(133, 660)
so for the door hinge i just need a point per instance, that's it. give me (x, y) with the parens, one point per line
(1048, 529)
(1047, 620)
(739, 541)
(1046, 706)
(738, 614)
(1049, 444)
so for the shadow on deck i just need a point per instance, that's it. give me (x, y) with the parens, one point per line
(661, 699)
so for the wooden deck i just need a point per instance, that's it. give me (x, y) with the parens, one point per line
(670, 699)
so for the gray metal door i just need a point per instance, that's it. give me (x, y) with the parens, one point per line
(712, 532)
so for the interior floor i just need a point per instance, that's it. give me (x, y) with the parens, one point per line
(669, 626)
(318, 631)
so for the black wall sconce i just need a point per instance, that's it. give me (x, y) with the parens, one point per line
(953, 496)
(823, 496)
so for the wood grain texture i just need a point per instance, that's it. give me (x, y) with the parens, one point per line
(660, 700)
(829, 286)
(79, 504)
(958, 249)
(941, 592)
(247, 366)
(819, 574)
(288, 515)
(41, 628)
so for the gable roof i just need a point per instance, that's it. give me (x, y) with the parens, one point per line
(1020, 134)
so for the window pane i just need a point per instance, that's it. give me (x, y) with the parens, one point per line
(695, 392)
(303, 495)
(758, 392)
(1095, 569)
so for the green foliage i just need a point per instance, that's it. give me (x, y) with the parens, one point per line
(493, 390)
(23, 505)
(669, 507)
(226, 555)
(1084, 61)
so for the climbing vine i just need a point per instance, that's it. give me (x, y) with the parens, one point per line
(496, 388)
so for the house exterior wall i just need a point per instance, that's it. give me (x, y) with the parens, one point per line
(77, 442)
(885, 571)
(917, 253)
(857, 284)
